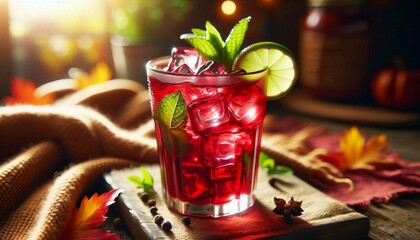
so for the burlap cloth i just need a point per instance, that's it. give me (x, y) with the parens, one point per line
(51, 155)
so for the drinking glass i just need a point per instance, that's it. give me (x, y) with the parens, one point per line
(209, 165)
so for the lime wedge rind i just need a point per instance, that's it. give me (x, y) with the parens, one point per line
(279, 62)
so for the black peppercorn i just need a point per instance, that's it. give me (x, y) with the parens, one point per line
(186, 220)
(153, 210)
(151, 203)
(144, 197)
(117, 222)
(159, 220)
(166, 226)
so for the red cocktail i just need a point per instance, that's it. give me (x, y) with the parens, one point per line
(208, 127)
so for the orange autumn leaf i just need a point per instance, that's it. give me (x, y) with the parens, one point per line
(99, 74)
(357, 153)
(24, 92)
(90, 215)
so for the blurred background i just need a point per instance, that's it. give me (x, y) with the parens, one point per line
(42, 39)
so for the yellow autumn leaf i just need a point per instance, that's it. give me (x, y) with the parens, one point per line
(357, 153)
(99, 74)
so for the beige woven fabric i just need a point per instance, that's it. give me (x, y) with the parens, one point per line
(51, 155)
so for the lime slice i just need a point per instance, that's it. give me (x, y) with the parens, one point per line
(278, 62)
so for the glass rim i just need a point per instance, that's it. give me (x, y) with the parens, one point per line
(214, 80)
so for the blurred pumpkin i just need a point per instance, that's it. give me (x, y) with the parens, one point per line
(397, 88)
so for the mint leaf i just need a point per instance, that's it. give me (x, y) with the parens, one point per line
(211, 46)
(279, 170)
(235, 40)
(199, 32)
(136, 180)
(264, 156)
(213, 36)
(246, 159)
(145, 181)
(172, 110)
(203, 45)
(269, 165)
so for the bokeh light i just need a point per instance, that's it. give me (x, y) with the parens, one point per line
(228, 7)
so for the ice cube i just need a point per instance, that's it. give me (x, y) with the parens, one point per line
(195, 181)
(211, 68)
(208, 112)
(183, 69)
(193, 92)
(224, 149)
(247, 106)
(184, 55)
(226, 182)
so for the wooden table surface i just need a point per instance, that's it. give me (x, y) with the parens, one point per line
(398, 219)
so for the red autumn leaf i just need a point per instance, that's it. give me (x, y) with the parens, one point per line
(24, 92)
(90, 215)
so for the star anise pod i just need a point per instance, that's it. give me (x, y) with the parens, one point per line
(292, 208)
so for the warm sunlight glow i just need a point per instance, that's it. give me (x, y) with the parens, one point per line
(56, 16)
(56, 35)
(228, 7)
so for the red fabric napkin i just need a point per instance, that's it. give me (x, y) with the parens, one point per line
(370, 186)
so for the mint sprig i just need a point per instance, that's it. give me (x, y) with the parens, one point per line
(172, 110)
(145, 181)
(269, 165)
(211, 45)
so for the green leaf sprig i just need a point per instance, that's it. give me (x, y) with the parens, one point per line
(211, 46)
(172, 110)
(269, 165)
(145, 181)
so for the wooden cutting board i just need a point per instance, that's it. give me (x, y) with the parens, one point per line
(323, 217)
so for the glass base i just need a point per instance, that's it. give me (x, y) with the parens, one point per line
(211, 210)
